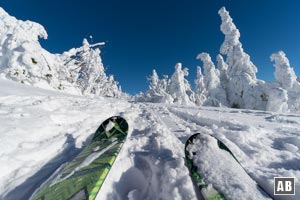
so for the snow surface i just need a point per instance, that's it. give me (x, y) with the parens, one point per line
(41, 130)
(232, 182)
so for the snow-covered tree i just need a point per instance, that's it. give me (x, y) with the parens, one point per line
(200, 90)
(157, 92)
(164, 83)
(287, 81)
(87, 72)
(179, 88)
(277, 99)
(284, 73)
(22, 58)
(223, 68)
(238, 61)
(244, 90)
(188, 90)
(216, 95)
(154, 79)
(111, 88)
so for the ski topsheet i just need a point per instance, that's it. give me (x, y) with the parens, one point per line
(82, 178)
(217, 173)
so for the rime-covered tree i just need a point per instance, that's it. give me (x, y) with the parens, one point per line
(157, 92)
(200, 90)
(87, 72)
(223, 68)
(244, 90)
(91, 77)
(22, 58)
(111, 88)
(277, 99)
(284, 73)
(289, 87)
(188, 90)
(216, 95)
(164, 83)
(154, 79)
(179, 89)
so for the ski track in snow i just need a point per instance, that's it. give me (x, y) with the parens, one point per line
(41, 130)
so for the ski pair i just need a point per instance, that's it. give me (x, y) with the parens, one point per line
(82, 178)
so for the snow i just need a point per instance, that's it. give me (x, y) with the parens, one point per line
(77, 71)
(213, 162)
(42, 129)
(179, 86)
(200, 90)
(216, 93)
(284, 74)
(233, 83)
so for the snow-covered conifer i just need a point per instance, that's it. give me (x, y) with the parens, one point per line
(154, 79)
(238, 61)
(243, 88)
(178, 86)
(87, 71)
(188, 90)
(284, 73)
(111, 88)
(287, 80)
(277, 100)
(200, 90)
(215, 91)
(223, 67)
(157, 92)
(78, 71)
(21, 56)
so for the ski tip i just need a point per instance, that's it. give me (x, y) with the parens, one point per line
(113, 126)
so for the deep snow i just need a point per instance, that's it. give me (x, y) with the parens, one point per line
(41, 129)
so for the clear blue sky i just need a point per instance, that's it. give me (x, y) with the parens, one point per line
(141, 34)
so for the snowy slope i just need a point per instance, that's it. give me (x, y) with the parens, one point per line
(42, 129)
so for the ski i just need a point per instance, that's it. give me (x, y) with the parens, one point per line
(82, 178)
(208, 159)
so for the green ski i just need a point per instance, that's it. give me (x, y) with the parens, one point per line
(209, 160)
(198, 180)
(82, 178)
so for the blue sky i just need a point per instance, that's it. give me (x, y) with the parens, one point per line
(142, 35)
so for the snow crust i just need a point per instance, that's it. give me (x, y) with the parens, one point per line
(42, 129)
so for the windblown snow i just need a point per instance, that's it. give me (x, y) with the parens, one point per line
(41, 130)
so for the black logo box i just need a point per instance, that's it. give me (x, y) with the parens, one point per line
(284, 186)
